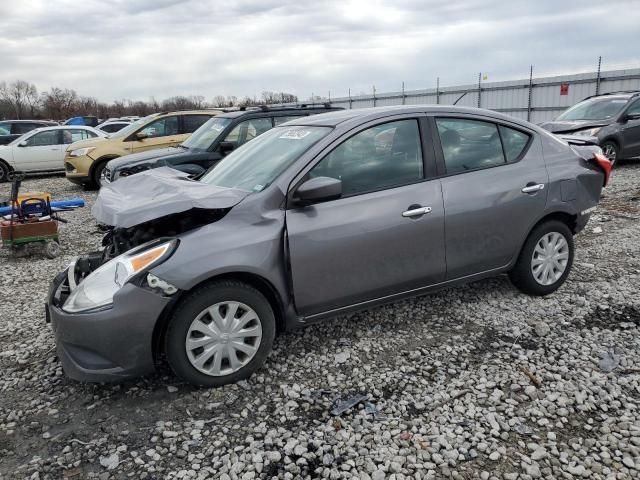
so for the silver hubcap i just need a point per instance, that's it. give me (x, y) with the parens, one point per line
(609, 152)
(550, 258)
(223, 338)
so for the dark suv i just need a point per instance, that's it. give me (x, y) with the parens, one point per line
(12, 129)
(613, 119)
(211, 142)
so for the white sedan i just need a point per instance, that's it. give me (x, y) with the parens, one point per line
(42, 149)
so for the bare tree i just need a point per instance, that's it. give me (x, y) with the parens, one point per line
(271, 98)
(198, 102)
(18, 95)
(60, 103)
(220, 101)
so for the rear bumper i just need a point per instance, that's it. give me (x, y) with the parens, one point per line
(108, 345)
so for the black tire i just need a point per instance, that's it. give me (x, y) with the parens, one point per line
(522, 275)
(97, 173)
(191, 306)
(611, 151)
(4, 172)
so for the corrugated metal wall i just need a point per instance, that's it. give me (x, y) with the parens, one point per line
(511, 97)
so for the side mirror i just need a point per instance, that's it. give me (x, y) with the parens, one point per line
(141, 135)
(23, 143)
(226, 147)
(319, 189)
(632, 116)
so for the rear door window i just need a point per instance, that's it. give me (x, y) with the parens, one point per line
(469, 144)
(70, 135)
(248, 130)
(194, 122)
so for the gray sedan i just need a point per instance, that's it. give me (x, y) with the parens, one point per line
(320, 216)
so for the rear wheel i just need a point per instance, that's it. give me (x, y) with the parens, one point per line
(545, 260)
(220, 334)
(611, 151)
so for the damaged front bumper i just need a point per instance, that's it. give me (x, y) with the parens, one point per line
(110, 344)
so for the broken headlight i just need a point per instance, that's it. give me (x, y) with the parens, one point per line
(587, 132)
(97, 290)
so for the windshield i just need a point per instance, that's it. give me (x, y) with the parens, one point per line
(595, 109)
(204, 136)
(129, 129)
(257, 163)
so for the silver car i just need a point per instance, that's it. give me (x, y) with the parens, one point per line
(317, 217)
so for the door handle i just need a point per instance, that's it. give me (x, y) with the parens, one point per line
(533, 187)
(414, 212)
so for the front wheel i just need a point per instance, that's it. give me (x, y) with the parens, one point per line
(4, 173)
(97, 173)
(611, 151)
(545, 260)
(220, 334)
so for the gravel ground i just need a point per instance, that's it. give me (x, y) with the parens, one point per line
(472, 382)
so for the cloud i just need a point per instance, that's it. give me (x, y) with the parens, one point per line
(137, 49)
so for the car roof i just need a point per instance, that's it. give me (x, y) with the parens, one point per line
(204, 111)
(626, 94)
(296, 111)
(44, 122)
(361, 115)
(62, 127)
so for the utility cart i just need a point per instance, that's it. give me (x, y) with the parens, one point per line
(30, 220)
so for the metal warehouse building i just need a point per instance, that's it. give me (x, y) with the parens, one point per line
(534, 99)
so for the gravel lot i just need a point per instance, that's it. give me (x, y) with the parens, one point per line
(473, 382)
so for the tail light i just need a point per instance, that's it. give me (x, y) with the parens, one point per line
(604, 164)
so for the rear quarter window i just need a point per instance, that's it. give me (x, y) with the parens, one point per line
(514, 141)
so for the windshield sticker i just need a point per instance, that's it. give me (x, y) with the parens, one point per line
(258, 188)
(295, 134)
(217, 127)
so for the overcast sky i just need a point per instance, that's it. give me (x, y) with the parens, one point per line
(140, 48)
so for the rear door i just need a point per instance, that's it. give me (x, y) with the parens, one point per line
(494, 186)
(384, 236)
(190, 123)
(631, 132)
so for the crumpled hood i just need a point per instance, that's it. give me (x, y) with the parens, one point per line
(570, 126)
(157, 193)
(146, 155)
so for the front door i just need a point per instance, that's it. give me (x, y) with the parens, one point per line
(631, 132)
(384, 236)
(495, 184)
(39, 152)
